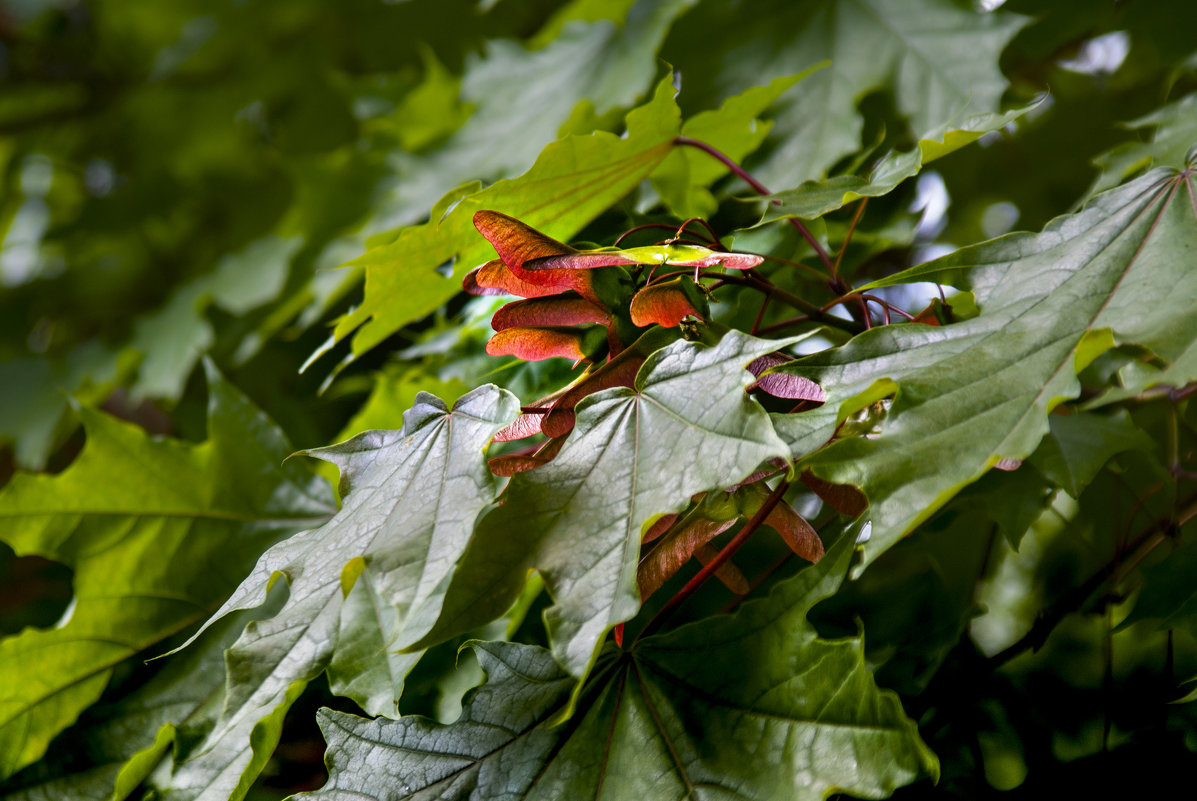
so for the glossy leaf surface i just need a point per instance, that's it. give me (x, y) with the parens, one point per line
(970, 394)
(659, 721)
(579, 519)
(356, 585)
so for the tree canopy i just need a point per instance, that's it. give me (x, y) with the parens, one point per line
(632, 399)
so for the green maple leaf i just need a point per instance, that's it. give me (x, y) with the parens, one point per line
(1078, 446)
(751, 706)
(734, 129)
(937, 59)
(970, 394)
(579, 519)
(573, 181)
(357, 585)
(158, 532)
(524, 97)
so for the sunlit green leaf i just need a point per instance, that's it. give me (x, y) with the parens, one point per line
(157, 533)
(523, 96)
(734, 129)
(573, 181)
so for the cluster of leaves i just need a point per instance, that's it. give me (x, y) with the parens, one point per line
(943, 473)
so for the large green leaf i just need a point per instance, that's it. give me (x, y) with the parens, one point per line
(158, 532)
(734, 129)
(573, 181)
(524, 97)
(938, 59)
(356, 583)
(686, 426)
(971, 394)
(751, 706)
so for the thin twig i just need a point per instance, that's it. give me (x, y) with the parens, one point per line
(664, 226)
(760, 189)
(784, 324)
(720, 558)
(756, 324)
(755, 282)
(839, 257)
(1149, 539)
(804, 267)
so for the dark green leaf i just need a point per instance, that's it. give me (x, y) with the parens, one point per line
(1169, 594)
(356, 584)
(580, 518)
(938, 59)
(1175, 132)
(687, 715)
(813, 199)
(1078, 446)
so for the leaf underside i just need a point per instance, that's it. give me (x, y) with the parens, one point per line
(976, 392)
(661, 721)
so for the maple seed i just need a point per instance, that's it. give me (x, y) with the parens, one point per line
(551, 311)
(668, 303)
(517, 243)
(534, 344)
(783, 385)
(494, 278)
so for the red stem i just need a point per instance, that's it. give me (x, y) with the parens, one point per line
(664, 226)
(839, 257)
(756, 324)
(760, 189)
(720, 559)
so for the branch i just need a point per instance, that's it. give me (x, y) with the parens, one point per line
(724, 554)
(814, 313)
(1158, 531)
